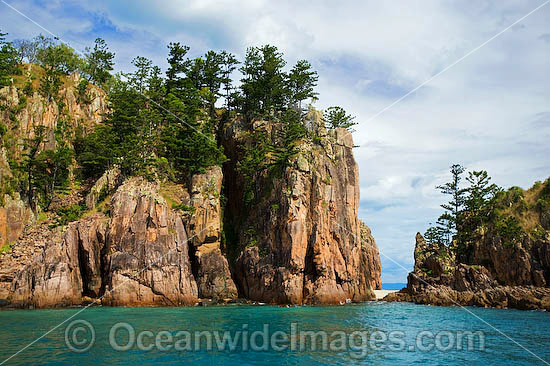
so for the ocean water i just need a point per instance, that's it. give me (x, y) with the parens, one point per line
(393, 286)
(374, 333)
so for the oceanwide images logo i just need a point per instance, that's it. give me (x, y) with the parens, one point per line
(80, 336)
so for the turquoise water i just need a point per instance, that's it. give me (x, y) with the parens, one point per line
(531, 329)
(393, 286)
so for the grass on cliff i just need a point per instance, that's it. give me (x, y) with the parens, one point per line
(173, 193)
(519, 211)
(6, 248)
(33, 73)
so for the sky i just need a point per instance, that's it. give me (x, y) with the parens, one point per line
(481, 88)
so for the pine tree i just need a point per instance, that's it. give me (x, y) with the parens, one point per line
(453, 208)
(29, 163)
(337, 117)
(57, 60)
(264, 83)
(187, 143)
(98, 62)
(178, 67)
(292, 131)
(479, 195)
(228, 66)
(447, 224)
(301, 83)
(8, 60)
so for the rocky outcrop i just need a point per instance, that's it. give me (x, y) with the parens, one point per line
(146, 250)
(107, 184)
(502, 262)
(211, 268)
(516, 297)
(213, 274)
(82, 112)
(138, 256)
(14, 216)
(22, 111)
(510, 277)
(372, 268)
(25, 250)
(176, 244)
(300, 241)
(54, 278)
(432, 259)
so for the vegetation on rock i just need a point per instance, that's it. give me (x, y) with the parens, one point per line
(482, 209)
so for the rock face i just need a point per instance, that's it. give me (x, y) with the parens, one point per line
(372, 268)
(107, 184)
(20, 114)
(84, 111)
(510, 277)
(54, 277)
(301, 242)
(174, 244)
(506, 263)
(146, 250)
(13, 217)
(211, 268)
(138, 256)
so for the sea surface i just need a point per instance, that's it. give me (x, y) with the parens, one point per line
(373, 333)
(393, 286)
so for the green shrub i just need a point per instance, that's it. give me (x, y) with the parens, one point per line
(537, 233)
(182, 207)
(251, 237)
(509, 230)
(6, 248)
(28, 90)
(69, 214)
(81, 88)
(41, 217)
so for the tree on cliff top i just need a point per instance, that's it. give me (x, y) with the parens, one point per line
(263, 83)
(469, 209)
(478, 202)
(337, 117)
(449, 221)
(99, 62)
(302, 81)
(8, 60)
(57, 59)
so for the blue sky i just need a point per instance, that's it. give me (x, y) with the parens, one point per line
(490, 111)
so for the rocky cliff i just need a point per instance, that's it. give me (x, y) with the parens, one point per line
(498, 269)
(152, 243)
(137, 255)
(21, 111)
(299, 240)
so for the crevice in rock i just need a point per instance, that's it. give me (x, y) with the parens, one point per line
(232, 190)
(310, 270)
(194, 262)
(103, 267)
(85, 271)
